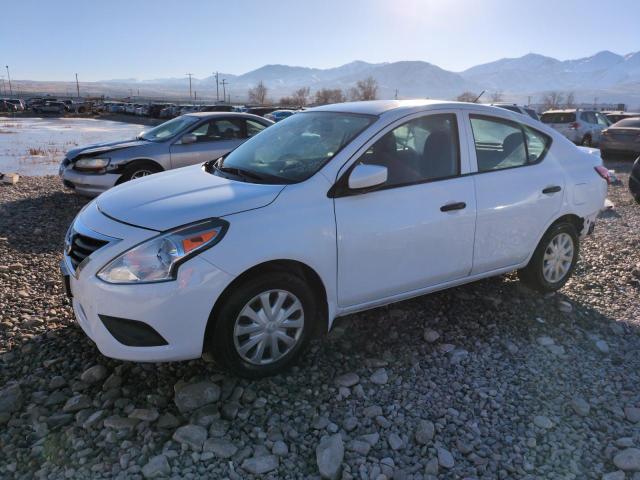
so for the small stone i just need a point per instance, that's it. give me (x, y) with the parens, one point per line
(329, 456)
(628, 460)
(348, 380)
(168, 421)
(112, 381)
(395, 442)
(425, 432)
(350, 424)
(431, 336)
(221, 448)
(632, 414)
(218, 427)
(624, 442)
(359, 446)
(445, 459)
(76, 403)
(542, 422)
(93, 420)
(545, 341)
(191, 435)
(580, 406)
(117, 422)
(602, 346)
(260, 465)
(10, 398)
(280, 449)
(564, 306)
(145, 414)
(94, 374)
(557, 350)
(157, 466)
(446, 347)
(372, 411)
(380, 377)
(457, 356)
(617, 475)
(196, 395)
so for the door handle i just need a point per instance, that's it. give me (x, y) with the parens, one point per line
(453, 206)
(554, 189)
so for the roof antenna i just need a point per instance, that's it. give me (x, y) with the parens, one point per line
(478, 97)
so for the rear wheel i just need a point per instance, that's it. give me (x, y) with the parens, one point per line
(586, 141)
(554, 259)
(263, 325)
(138, 170)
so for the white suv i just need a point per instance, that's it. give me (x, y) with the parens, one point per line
(331, 211)
(582, 127)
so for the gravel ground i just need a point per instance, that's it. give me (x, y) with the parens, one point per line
(485, 381)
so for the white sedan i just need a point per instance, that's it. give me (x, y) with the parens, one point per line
(334, 210)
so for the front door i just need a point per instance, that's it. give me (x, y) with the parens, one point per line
(417, 229)
(214, 138)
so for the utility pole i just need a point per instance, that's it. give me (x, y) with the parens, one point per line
(77, 86)
(224, 90)
(396, 96)
(189, 75)
(4, 87)
(9, 77)
(217, 88)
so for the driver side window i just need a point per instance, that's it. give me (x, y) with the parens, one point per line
(219, 129)
(423, 149)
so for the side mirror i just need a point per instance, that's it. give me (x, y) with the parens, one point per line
(188, 138)
(367, 176)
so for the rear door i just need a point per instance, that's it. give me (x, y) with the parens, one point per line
(518, 190)
(214, 138)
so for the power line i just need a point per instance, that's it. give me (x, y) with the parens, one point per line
(189, 75)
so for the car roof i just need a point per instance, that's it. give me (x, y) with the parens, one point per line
(226, 115)
(378, 107)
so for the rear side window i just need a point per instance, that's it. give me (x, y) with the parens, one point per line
(504, 144)
(558, 117)
(254, 128)
(629, 123)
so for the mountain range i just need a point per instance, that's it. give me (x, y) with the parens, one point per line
(607, 76)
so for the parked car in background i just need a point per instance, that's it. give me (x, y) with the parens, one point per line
(156, 108)
(517, 108)
(216, 108)
(339, 209)
(19, 103)
(262, 111)
(278, 115)
(622, 137)
(6, 106)
(186, 140)
(582, 127)
(634, 180)
(50, 107)
(617, 116)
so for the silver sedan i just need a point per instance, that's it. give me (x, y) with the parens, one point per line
(186, 140)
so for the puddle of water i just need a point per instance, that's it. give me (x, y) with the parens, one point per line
(36, 146)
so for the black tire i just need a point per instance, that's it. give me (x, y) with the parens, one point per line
(220, 339)
(586, 141)
(532, 275)
(139, 169)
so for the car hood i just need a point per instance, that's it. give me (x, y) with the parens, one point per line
(185, 195)
(104, 147)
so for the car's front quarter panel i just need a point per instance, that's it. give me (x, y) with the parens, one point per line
(299, 225)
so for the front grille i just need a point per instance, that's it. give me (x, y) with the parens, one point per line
(81, 246)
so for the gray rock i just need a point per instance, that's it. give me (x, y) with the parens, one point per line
(94, 419)
(191, 435)
(445, 459)
(632, 414)
(113, 381)
(457, 356)
(196, 395)
(628, 460)
(10, 398)
(380, 377)
(617, 475)
(280, 449)
(260, 465)
(545, 341)
(76, 403)
(557, 350)
(145, 414)
(542, 422)
(221, 448)
(372, 411)
(624, 442)
(395, 442)
(564, 306)
(359, 446)
(218, 427)
(431, 468)
(348, 380)
(425, 432)
(168, 421)
(94, 374)
(116, 422)
(329, 456)
(602, 346)
(580, 406)
(370, 438)
(157, 466)
(431, 336)
(350, 424)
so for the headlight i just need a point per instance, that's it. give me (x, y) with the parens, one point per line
(92, 163)
(157, 259)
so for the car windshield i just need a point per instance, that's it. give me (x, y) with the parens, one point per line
(297, 147)
(168, 129)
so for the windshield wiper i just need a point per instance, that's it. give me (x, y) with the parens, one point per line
(241, 172)
(244, 173)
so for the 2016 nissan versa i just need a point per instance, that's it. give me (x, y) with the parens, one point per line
(334, 210)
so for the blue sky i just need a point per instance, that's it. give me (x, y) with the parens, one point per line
(52, 40)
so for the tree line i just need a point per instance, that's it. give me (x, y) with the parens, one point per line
(366, 89)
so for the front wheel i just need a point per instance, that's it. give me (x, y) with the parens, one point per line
(554, 259)
(139, 169)
(586, 141)
(263, 325)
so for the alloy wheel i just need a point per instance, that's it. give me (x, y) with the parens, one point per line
(268, 327)
(140, 174)
(558, 257)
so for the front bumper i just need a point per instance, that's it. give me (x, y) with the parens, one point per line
(88, 184)
(178, 311)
